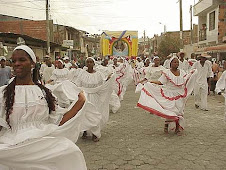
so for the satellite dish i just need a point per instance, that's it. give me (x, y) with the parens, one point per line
(20, 41)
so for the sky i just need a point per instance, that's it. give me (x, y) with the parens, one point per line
(95, 16)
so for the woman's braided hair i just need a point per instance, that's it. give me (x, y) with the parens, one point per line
(9, 94)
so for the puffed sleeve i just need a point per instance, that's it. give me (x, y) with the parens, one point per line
(163, 78)
(3, 122)
(78, 81)
(221, 83)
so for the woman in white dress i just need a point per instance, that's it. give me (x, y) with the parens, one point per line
(98, 93)
(221, 87)
(60, 73)
(153, 72)
(120, 75)
(108, 71)
(47, 73)
(74, 72)
(144, 69)
(35, 132)
(168, 100)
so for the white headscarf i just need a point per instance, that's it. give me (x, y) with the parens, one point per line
(171, 59)
(91, 58)
(155, 57)
(2, 58)
(61, 61)
(146, 60)
(28, 50)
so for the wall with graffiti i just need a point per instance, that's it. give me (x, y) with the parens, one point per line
(119, 43)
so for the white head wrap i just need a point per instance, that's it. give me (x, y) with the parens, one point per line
(155, 57)
(171, 59)
(28, 50)
(2, 58)
(61, 61)
(146, 59)
(91, 58)
(66, 58)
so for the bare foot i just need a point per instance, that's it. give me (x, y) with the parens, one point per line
(95, 139)
(166, 128)
(84, 136)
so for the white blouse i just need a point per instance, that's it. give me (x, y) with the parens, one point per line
(154, 73)
(30, 117)
(106, 70)
(60, 75)
(90, 80)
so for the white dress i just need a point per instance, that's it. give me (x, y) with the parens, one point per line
(98, 93)
(154, 73)
(221, 87)
(60, 75)
(47, 73)
(35, 140)
(73, 74)
(114, 99)
(121, 79)
(168, 101)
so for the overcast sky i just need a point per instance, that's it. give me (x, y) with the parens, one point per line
(94, 16)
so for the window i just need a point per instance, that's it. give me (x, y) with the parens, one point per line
(212, 21)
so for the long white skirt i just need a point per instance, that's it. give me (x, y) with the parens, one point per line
(114, 102)
(46, 153)
(153, 101)
(56, 151)
(67, 92)
(100, 97)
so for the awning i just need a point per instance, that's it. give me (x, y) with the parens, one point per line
(218, 48)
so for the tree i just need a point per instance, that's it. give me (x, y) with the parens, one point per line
(169, 45)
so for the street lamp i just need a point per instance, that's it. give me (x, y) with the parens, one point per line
(164, 26)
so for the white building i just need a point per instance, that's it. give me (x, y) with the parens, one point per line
(212, 27)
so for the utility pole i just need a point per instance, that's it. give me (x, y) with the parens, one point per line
(144, 40)
(144, 35)
(47, 27)
(191, 25)
(181, 22)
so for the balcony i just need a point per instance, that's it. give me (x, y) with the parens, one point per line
(202, 35)
(202, 6)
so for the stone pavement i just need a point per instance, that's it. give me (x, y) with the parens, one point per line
(134, 139)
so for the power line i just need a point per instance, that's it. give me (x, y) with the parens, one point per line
(18, 6)
(15, 2)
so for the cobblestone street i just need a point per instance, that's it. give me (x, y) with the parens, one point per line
(134, 139)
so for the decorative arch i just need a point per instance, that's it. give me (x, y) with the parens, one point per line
(109, 38)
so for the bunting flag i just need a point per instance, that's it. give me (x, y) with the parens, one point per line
(120, 37)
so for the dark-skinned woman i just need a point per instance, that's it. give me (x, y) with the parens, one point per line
(168, 100)
(98, 90)
(35, 132)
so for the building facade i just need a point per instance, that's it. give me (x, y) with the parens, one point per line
(212, 27)
(69, 41)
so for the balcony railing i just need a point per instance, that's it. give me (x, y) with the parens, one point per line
(202, 35)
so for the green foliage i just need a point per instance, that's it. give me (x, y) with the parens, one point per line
(169, 45)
